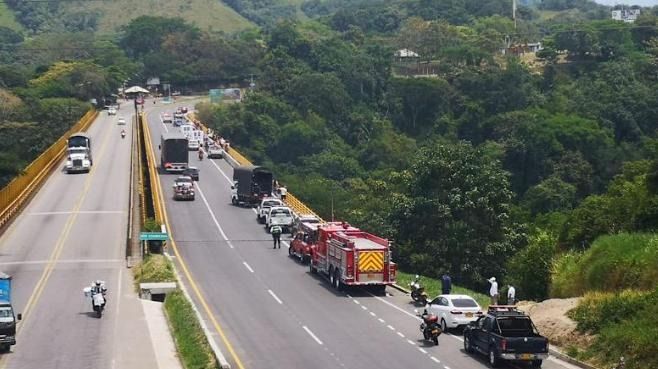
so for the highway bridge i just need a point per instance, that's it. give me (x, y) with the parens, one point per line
(263, 308)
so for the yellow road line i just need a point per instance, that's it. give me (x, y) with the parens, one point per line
(188, 275)
(57, 251)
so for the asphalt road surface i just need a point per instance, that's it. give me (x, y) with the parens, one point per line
(73, 232)
(270, 311)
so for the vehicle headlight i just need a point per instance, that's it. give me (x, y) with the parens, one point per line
(86, 163)
(68, 163)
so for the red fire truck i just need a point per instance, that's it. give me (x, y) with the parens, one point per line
(351, 257)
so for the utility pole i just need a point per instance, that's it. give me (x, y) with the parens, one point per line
(514, 13)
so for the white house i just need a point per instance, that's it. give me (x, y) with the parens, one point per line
(406, 53)
(626, 15)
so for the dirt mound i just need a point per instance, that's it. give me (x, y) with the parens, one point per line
(550, 317)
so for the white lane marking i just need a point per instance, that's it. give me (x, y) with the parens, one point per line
(356, 302)
(348, 295)
(411, 342)
(165, 127)
(275, 297)
(247, 266)
(390, 327)
(422, 350)
(77, 212)
(446, 367)
(363, 307)
(435, 359)
(373, 314)
(381, 320)
(395, 307)
(312, 335)
(400, 334)
(71, 261)
(212, 215)
(223, 174)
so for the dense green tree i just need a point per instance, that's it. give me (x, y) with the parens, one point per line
(454, 211)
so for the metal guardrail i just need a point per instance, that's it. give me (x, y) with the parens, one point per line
(291, 200)
(18, 191)
(153, 171)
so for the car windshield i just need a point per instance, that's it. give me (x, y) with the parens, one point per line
(6, 314)
(464, 303)
(77, 151)
(271, 203)
(181, 181)
(192, 170)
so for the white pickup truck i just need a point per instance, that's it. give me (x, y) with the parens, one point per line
(264, 208)
(281, 216)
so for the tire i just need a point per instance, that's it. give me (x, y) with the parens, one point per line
(311, 268)
(536, 363)
(338, 285)
(331, 276)
(493, 359)
(467, 344)
(99, 313)
(234, 201)
(289, 251)
(444, 326)
(436, 340)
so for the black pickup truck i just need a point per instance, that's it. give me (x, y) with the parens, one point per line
(505, 333)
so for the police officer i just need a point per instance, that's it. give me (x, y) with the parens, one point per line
(276, 235)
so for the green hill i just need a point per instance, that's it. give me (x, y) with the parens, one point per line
(7, 18)
(211, 15)
(106, 17)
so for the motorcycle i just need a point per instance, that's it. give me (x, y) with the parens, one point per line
(97, 294)
(200, 155)
(418, 293)
(430, 327)
(123, 134)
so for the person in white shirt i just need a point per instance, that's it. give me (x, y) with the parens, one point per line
(283, 191)
(511, 295)
(493, 291)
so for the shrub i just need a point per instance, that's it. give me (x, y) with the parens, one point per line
(154, 268)
(530, 269)
(613, 263)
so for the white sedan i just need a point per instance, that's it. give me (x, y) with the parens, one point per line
(121, 121)
(454, 310)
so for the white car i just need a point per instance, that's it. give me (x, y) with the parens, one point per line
(166, 118)
(454, 310)
(281, 216)
(121, 121)
(264, 208)
(215, 152)
(193, 145)
(112, 111)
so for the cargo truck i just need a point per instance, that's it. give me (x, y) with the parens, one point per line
(173, 152)
(79, 153)
(7, 318)
(250, 184)
(348, 256)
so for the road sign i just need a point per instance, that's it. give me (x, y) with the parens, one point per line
(215, 95)
(153, 236)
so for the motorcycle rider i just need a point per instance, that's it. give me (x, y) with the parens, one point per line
(200, 153)
(98, 287)
(123, 133)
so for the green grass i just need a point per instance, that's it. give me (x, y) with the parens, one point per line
(613, 263)
(208, 15)
(433, 288)
(154, 268)
(191, 343)
(624, 324)
(7, 18)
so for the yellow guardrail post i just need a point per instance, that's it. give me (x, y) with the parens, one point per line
(15, 194)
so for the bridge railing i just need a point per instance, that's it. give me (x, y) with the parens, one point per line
(16, 193)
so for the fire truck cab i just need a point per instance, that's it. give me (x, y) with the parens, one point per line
(348, 256)
(304, 241)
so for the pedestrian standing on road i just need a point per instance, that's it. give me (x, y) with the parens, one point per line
(283, 191)
(493, 291)
(276, 235)
(446, 284)
(511, 295)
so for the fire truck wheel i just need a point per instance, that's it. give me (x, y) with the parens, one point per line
(337, 284)
(311, 269)
(331, 275)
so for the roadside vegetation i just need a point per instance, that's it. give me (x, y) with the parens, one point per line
(191, 343)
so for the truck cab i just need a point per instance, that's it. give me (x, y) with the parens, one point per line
(264, 208)
(281, 216)
(304, 241)
(506, 333)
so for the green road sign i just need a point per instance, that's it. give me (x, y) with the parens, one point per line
(153, 236)
(215, 95)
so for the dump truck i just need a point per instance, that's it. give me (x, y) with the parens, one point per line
(348, 256)
(251, 184)
(173, 152)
